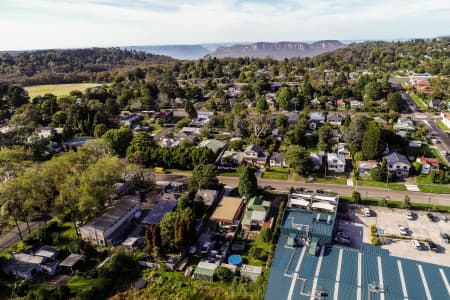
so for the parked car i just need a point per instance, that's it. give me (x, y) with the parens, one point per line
(430, 217)
(444, 237)
(342, 240)
(366, 212)
(416, 244)
(403, 230)
(205, 248)
(409, 215)
(432, 246)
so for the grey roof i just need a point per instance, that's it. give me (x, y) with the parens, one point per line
(334, 117)
(214, 145)
(208, 196)
(254, 148)
(278, 156)
(46, 251)
(395, 157)
(71, 260)
(159, 210)
(113, 214)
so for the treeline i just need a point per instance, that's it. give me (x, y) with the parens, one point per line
(74, 65)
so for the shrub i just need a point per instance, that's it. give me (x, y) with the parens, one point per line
(375, 240)
(223, 274)
(356, 197)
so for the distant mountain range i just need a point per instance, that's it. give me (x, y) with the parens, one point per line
(279, 50)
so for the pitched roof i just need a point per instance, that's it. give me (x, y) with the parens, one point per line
(395, 157)
(278, 156)
(207, 196)
(432, 161)
(254, 148)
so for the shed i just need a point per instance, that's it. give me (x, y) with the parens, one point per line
(205, 271)
(70, 261)
(251, 272)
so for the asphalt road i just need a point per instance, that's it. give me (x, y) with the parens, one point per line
(12, 237)
(371, 192)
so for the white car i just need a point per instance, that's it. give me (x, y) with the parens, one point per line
(403, 230)
(416, 244)
(409, 215)
(366, 212)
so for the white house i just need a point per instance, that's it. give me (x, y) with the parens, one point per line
(336, 162)
(254, 154)
(335, 119)
(278, 160)
(317, 116)
(397, 164)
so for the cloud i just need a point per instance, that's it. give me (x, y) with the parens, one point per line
(85, 23)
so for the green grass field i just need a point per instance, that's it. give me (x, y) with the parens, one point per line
(392, 186)
(419, 101)
(58, 90)
(442, 125)
(275, 175)
(331, 180)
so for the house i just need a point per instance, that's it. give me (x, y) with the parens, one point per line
(315, 102)
(445, 119)
(317, 116)
(254, 154)
(404, 126)
(278, 160)
(316, 160)
(108, 229)
(208, 197)
(77, 142)
(128, 119)
(191, 132)
(314, 124)
(165, 203)
(335, 119)
(340, 103)
(255, 213)
(228, 211)
(336, 162)
(165, 115)
(397, 164)
(437, 104)
(231, 158)
(203, 117)
(354, 104)
(428, 164)
(214, 145)
(365, 166)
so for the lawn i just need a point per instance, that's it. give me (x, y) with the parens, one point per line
(419, 101)
(434, 188)
(392, 186)
(58, 90)
(442, 125)
(77, 283)
(275, 175)
(330, 180)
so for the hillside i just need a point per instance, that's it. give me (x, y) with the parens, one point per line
(278, 50)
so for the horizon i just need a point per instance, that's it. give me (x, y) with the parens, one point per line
(70, 24)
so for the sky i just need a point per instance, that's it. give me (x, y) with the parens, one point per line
(44, 24)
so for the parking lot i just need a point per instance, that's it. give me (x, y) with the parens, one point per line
(387, 220)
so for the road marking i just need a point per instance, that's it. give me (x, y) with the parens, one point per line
(338, 275)
(297, 268)
(316, 275)
(424, 281)
(444, 278)
(380, 276)
(402, 279)
(358, 290)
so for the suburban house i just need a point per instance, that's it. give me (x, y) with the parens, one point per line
(428, 164)
(214, 145)
(228, 211)
(255, 213)
(165, 115)
(340, 103)
(356, 104)
(314, 124)
(397, 164)
(128, 119)
(203, 117)
(208, 197)
(317, 116)
(278, 160)
(335, 119)
(404, 126)
(437, 104)
(231, 159)
(109, 228)
(336, 162)
(254, 154)
(446, 119)
(365, 166)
